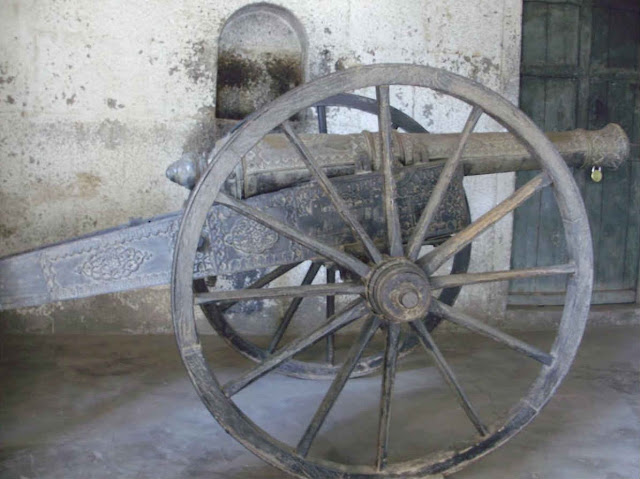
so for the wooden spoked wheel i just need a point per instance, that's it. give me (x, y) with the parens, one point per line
(327, 366)
(394, 287)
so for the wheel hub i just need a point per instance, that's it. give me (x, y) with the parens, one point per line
(399, 290)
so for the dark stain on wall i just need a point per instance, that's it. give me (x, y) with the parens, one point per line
(236, 71)
(6, 231)
(285, 73)
(198, 65)
(246, 83)
(113, 103)
(201, 138)
(112, 133)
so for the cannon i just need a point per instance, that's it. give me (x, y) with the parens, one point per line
(365, 208)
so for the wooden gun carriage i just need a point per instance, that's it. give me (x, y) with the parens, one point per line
(361, 207)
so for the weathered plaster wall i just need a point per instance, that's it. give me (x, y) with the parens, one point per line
(97, 98)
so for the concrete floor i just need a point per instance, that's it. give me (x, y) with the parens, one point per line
(122, 407)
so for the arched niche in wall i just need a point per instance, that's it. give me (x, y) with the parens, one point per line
(262, 53)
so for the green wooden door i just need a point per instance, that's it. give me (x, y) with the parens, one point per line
(580, 69)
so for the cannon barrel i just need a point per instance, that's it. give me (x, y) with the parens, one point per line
(275, 164)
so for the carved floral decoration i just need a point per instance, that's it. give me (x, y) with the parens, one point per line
(250, 237)
(115, 263)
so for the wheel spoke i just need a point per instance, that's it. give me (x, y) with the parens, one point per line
(455, 280)
(261, 282)
(469, 322)
(321, 111)
(293, 307)
(431, 261)
(350, 313)
(325, 183)
(331, 309)
(388, 377)
(368, 329)
(394, 232)
(322, 118)
(294, 234)
(433, 350)
(420, 231)
(267, 293)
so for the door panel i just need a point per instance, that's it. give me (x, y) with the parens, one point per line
(580, 70)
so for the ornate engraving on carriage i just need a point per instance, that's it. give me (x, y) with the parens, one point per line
(49, 273)
(114, 263)
(204, 262)
(213, 257)
(250, 237)
(205, 257)
(230, 251)
(414, 187)
(237, 244)
(125, 258)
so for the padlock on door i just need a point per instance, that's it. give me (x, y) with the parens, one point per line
(596, 174)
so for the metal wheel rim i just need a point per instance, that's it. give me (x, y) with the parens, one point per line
(578, 287)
